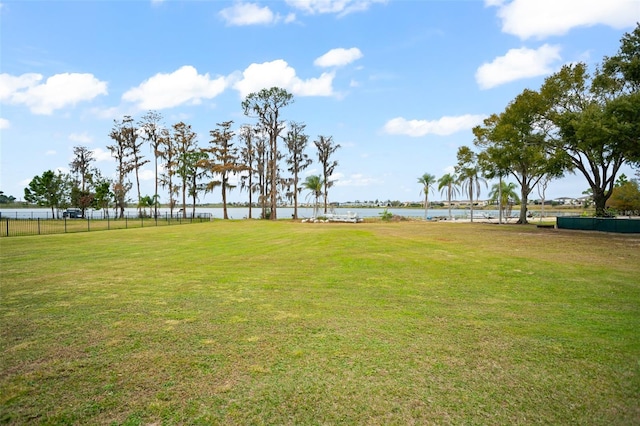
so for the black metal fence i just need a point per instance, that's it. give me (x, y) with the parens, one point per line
(21, 227)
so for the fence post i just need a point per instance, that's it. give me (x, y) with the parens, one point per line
(88, 226)
(65, 224)
(126, 221)
(38, 225)
(7, 219)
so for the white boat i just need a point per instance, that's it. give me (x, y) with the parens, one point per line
(350, 217)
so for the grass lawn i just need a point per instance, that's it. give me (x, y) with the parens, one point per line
(254, 322)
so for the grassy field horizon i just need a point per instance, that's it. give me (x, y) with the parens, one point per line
(258, 322)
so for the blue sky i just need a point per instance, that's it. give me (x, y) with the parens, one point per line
(398, 84)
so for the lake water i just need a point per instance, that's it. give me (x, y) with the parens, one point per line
(283, 212)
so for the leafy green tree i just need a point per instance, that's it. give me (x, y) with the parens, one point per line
(145, 202)
(505, 195)
(297, 159)
(622, 179)
(468, 173)
(513, 142)
(427, 181)
(448, 184)
(6, 199)
(584, 129)
(265, 105)
(48, 190)
(626, 198)
(326, 148)
(623, 70)
(102, 195)
(314, 185)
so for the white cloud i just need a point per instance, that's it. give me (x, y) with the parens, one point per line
(106, 113)
(10, 84)
(340, 7)
(279, 74)
(449, 169)
(58, 91)
(80, 137)
(4, 123)
(517, 64)
(50, 152)
(356, 179)
(544, 18)
(147, 175)
(102, 155)
(443, 126)
(338, 57)
(247, 14)
(182, 86)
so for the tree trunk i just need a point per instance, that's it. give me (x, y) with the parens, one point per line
(426, 205)
(600, 202)
(155, 195)
(500, 201)
(471, 197)
(524, 200)
(184, 199)
(224, 199)
(274, 176)
(295, 197)
(250, 192)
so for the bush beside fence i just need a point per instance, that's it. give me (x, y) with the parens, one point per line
(23, 227)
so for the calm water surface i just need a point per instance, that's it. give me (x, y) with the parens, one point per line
(283, 212)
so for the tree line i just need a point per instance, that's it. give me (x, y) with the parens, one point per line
(257, 155)
(576, 122)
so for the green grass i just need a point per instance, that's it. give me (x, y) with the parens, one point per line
(253, 322)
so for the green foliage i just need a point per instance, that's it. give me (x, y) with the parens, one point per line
(505, 196)
(49, 190)
(266, 106)
(468, 171)
(514, 143)
(385, 215)
(6, 199)
(427, 181)
(314, 184)
(625, 198)
(448, 183)
(325, 149)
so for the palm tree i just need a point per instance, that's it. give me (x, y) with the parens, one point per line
(426, 180)
(469, 173)
(470, 180)
(505, 195)
(145, 201)
(448, 183)
(314, 184)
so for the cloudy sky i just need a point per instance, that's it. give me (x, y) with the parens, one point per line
(398, 84)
